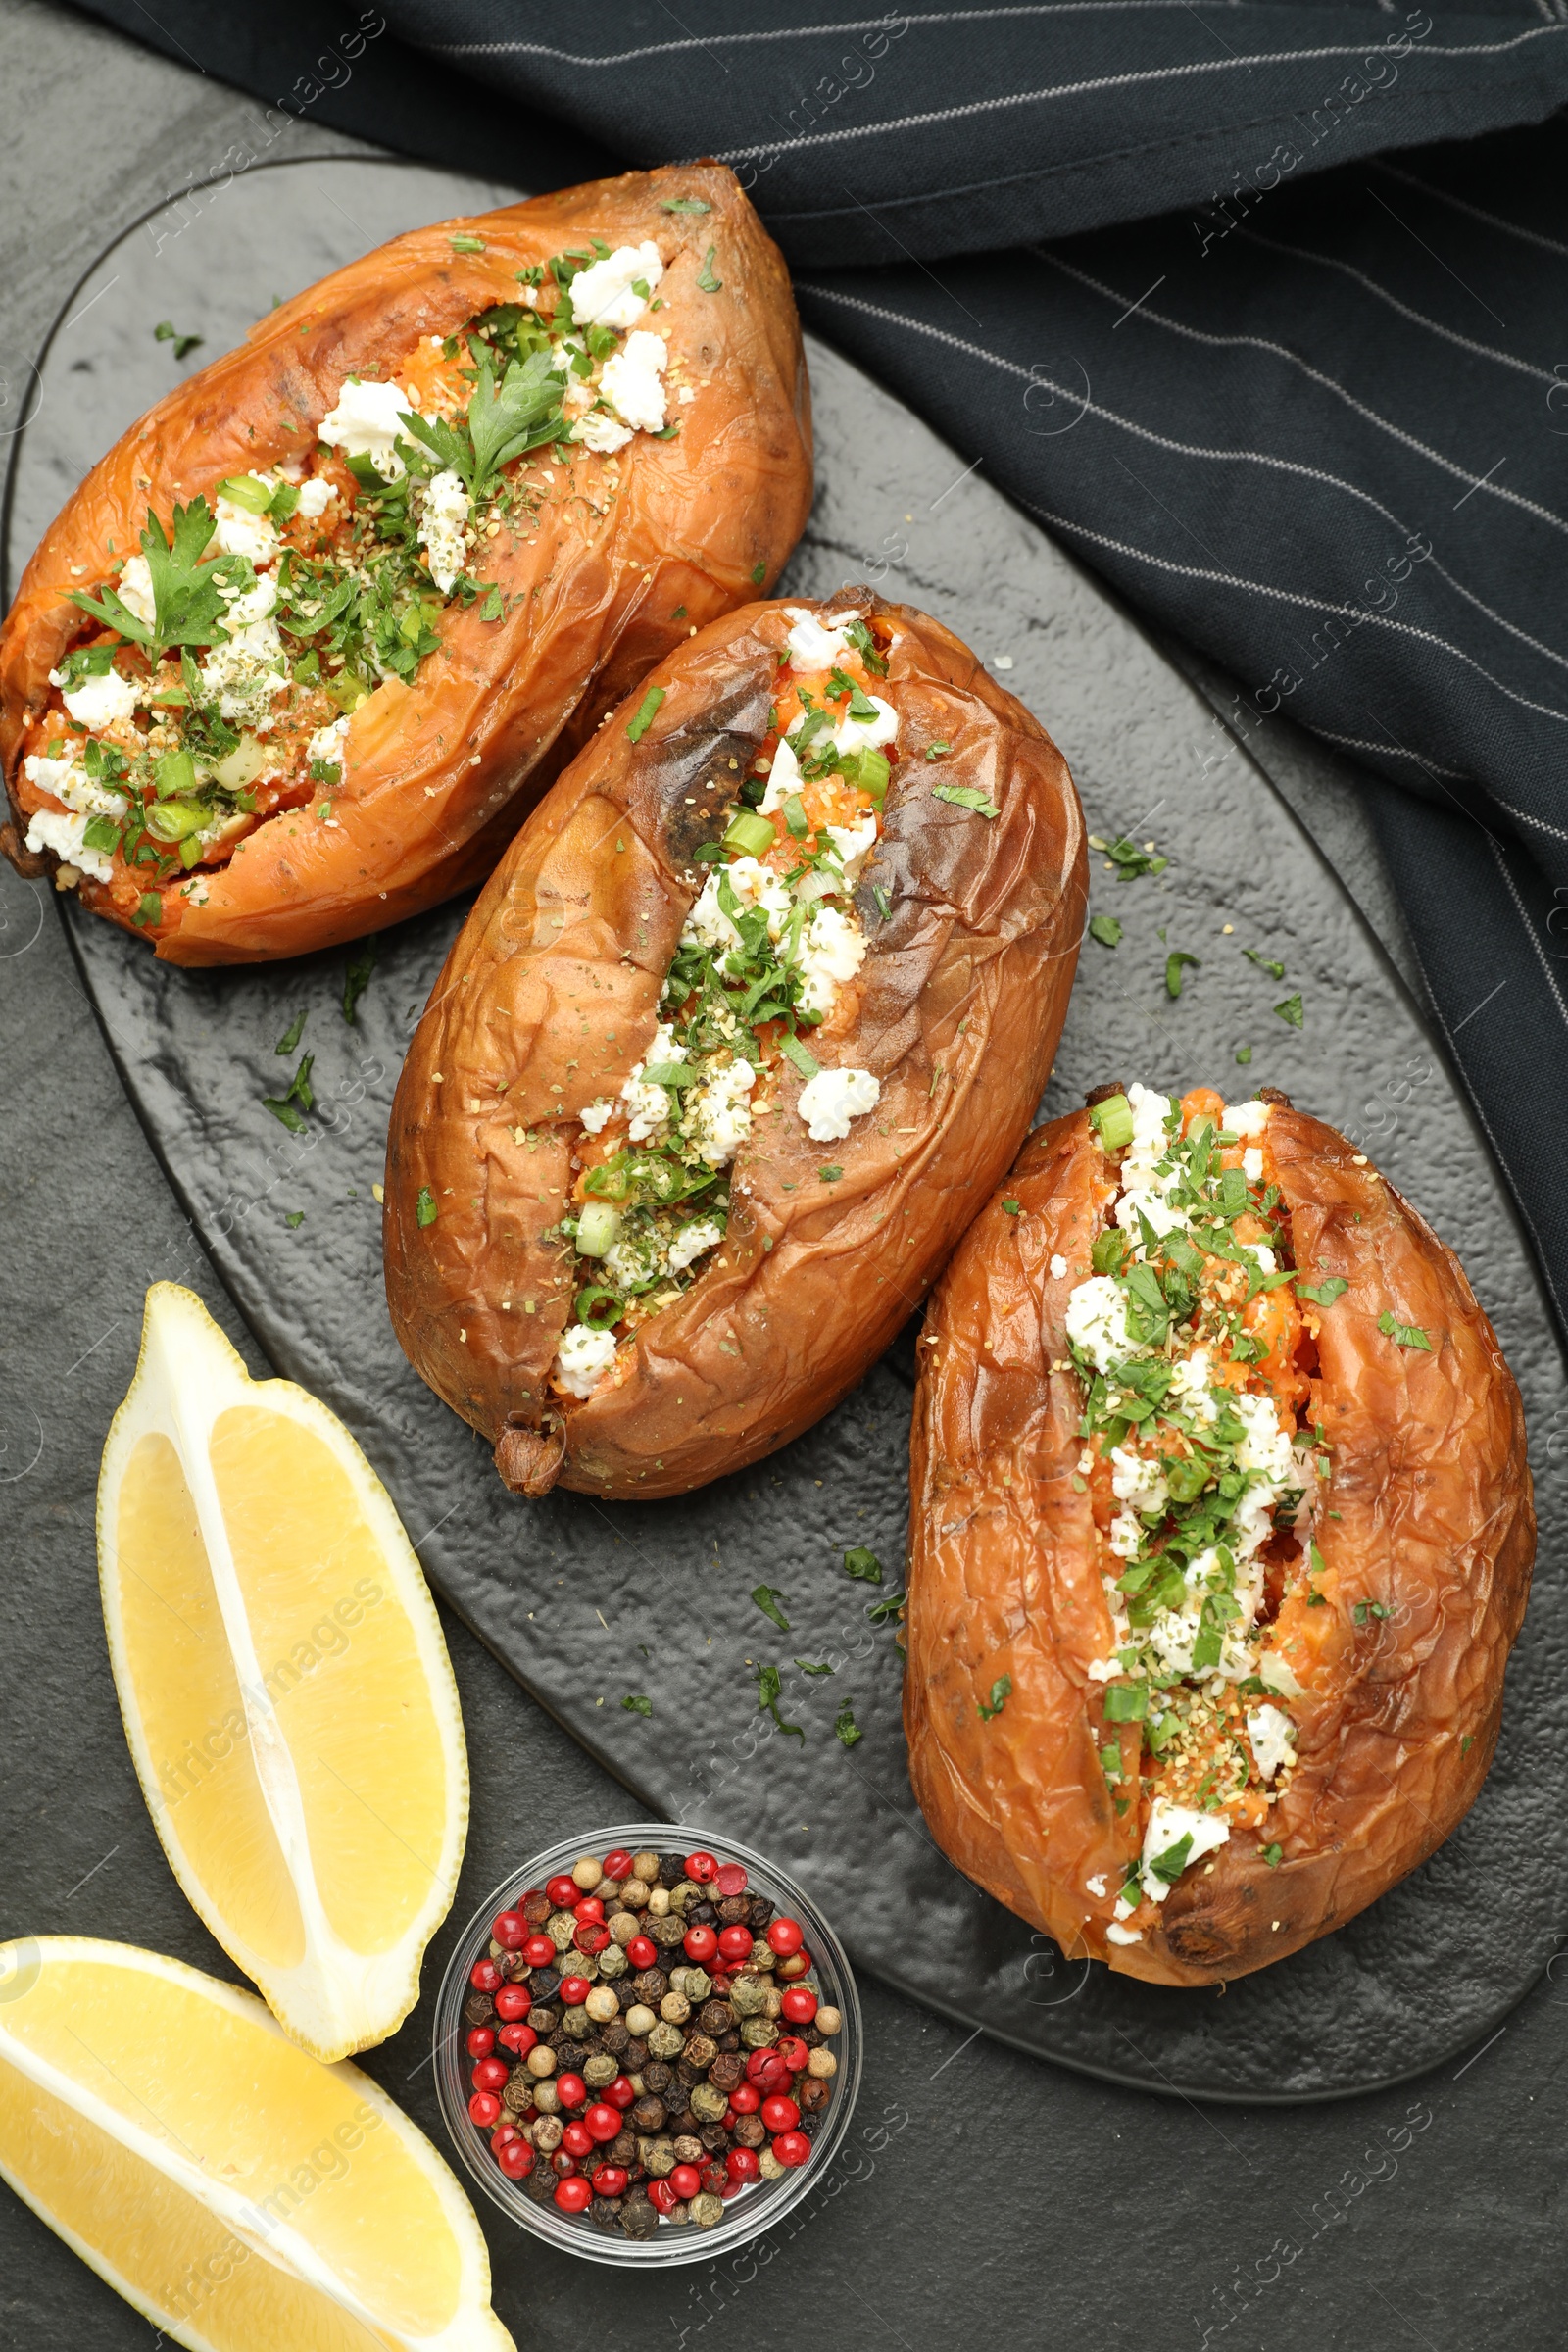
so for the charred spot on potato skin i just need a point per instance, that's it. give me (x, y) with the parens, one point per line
(1272, 1094)
(529, 1461)
(1103, 1093)
(680, 765)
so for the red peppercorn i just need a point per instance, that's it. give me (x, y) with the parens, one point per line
(482, 2042)
(622, 2092)
(746, 2098)
(591, 1938)
(561, 1893)
(767, 2070)
(735, 1943)
(798, 2004)
(574, 1991)
(791, 2148)
(618, 1863)
(602, 2120)
(485, 2109)
(643, 1952)
(780, 2114)
(562, 2164)
(578, 2140)
(662, 2197)
(743, 2163)
(730, 2189)
(485, 1977)
(516, 2159)
(611, 2180)
(731, 1879)
(715, 2178)
(519, 2037)
(701, 1867)
(573, 2089)
(491, 2074)
(792, 2053)
(686, 2181)
(510, 1930)
(797, 1965)
(785, 1936)
(575, 2196)
(588, 1909)
(701, 1944)
(513, 2000)
(503, 2132)
(539, 1951)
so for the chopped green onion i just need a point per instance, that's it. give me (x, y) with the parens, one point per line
(749, 833)
(1112, 1122)
(638, 727)
(175, 772)
(244, 490)
(597, 1229)
(174, 820)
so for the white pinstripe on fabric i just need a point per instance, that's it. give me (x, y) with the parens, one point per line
(800, 32)
(1509, 228)
(1397, 751)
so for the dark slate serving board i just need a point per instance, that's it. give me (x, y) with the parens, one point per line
(587, 1605)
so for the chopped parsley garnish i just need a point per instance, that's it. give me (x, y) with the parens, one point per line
(807, 1666)
(1107, 929)
(793, 1050)
(1126, 1702)
(1403, 1335)
(297, 1090)
(684, 204)
(767, 1695)
(768, 1599)
(966, 796)
(1322, 1293)
(647, 710)
(1012, 1208)
(1265, 963)
(1291, 1012)
(1174, 963)
(758, 574)
(166, 331)
(188, 606)
(1000, 1693)
(357, 979)
(1364, 1610)
(1128, 859)
(883, 1611)
(707, 282)
(1244, 1054)
(294, 1218)
(844, 1725)
(635, 1704)
(936, 749)
(1273, 1855)
(424, 1209)
(863, 1564)
(292, 1034)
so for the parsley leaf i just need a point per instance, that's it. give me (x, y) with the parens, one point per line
(707, 283)
(805, 1666)
(862, 1564)
(298, 1091)
(768, 1599)
(638, 726)
(1107, 929)
(1290, 1011)
(635, 1704)
(1126, 1702)
(1128, 859)
(1322, 1293)
(767, 1690)
(845, 1725)
(1275, 971)
(1000, 1693)
(166, 331)
(1173, 970)
(883, 1611)
(793, 1050)
(187, 607)
(357, 979)
(1273, 1855)
(966, 796)
(1404, 1335)
(426, 1210)
(292, 1034)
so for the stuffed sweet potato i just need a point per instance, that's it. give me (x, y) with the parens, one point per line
(1221, 1534)
(750, 1018)
(305, 646)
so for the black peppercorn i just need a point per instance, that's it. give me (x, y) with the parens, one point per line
(686, 2073)
(727, 2070)
(808, 2122)
(715, 2018)
(714, 2137)
(545, 1983)
(478, 2008)
(810, 2035)
(638, 2218)
(700, 2051)
(650, 1984)
(812, 2094)
(543, 2020)
(749, 2131)
(606, 2212)
(685, 2126)
(730, 2041)
(540, 2185)
(734, 1908)
(671, 1869)
(667, 1932)
(761, 1911)
(700, 1915)
(614, 2038)
(623, 2150)
(535, 1909)
(634, 2057)
(648, 2114)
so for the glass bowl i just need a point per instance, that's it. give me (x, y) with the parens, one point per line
(761, 2203)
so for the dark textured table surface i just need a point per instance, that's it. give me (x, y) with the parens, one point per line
(986, 2189)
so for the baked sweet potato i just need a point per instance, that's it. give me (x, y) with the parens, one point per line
(743, 1029)
(399, 554)
(1221, 1532)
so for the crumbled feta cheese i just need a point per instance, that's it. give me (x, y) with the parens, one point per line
(1261, 1254)
(816, 644)
(648, 1103)
(72, 784)
(597, 1116)
(1059, 1267)
(1273, 1670)
(1096, 1321)
(1244, 1119)
(718, 1119)
(692, 1240)
(239, 532)
(1138, 1478)
(443, 527)
(316, 496)
(250, 603)
(62, 831)
(832, 951)
(1145, 1183)
(632, 382)
(328, 742)
(832, 1099)
(867, 734)
(854, 844)
(598, 431)
(1190, 1388)
(753, 885)
(634, 1260)
(1266, 1446)
(1273, 1738)
(1125, 1535)
(1115, 1932)
(1168, 1825)
(1098, 1885)
(99, 701)
(583, 1358)
(602, 294)
(247, 673)
(366, 421)
(136, 589)
(1102, 1670)
(783, 778)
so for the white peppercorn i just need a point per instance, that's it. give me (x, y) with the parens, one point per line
(772, 2003)
(676, 2008)
(821, 2063)
(547, 2134)
(561, 1927)
(602, 2004)
(828, 2021)
(634, 1894)
(587, 1871)
(622, 1925)
(541, 2059)
(707, 2209)
(640, 2021)
(688, 2150)
(547, 2098)
(658, 1902)
(645, 1866)
(768, 2164)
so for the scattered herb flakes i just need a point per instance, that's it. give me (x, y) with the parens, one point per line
(466, 244)
(424, 1209)
(684, 204)
(357, 979)
(966, 796)
(793, 1050)
(806, 1667)
(166, 331)
(635, 1704)
(1000, 1693)
(294, 1219)
(845, 1725)
(862, 1564)
(1290, 1011)
(1174, 963)
(936, 749)
(1107, 929)
(638, 726)
(1012, 1208)
(767, 1690)
(829, 1175)
(707, 281)
(1126, 1702)
(1244, 1054)
(885, 1610)
(884, 905)
(759, 575)
(298, 1090)
(1273, 1855)
(767, 1598)
(1264, 963)
(495, 604)
(1403, 1335)
(148, 910)
(1467, 1743)
(1323, 1294)
(1364, 1610)
(1128, 859)
(292, 1034)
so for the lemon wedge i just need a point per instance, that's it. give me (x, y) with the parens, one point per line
(242, 2195)
(285, 1688)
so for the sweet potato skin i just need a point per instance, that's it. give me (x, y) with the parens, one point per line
(437, 776)
(1437, 1524)
(548, 1000)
